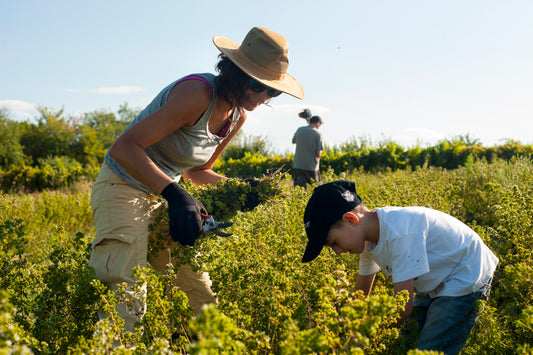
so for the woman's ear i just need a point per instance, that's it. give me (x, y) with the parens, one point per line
(351, 218)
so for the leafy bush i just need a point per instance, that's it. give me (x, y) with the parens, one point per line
(11, 151)
(253, 165)
(13, 339)
(54, 174)
(241, 145)
(268, 301)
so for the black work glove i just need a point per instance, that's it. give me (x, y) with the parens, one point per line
(184, 214)
(252, 197)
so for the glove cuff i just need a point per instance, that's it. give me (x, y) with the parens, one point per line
(170, 190)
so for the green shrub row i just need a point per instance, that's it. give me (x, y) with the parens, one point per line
(268, 301)
(446, 154)
(387, 155)
(57, 151)
(27, 178)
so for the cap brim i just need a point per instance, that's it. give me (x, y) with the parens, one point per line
(285, 82)
(311, 252)
(314, 246)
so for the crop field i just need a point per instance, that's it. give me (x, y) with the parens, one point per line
(268, 301)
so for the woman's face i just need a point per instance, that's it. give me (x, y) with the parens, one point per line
(254, 99)
(257, 94)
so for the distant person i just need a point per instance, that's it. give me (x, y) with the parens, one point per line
(309, 146)
(441, 262)
(181, 132)
(305, 114)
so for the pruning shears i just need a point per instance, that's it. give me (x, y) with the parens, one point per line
(209, 224)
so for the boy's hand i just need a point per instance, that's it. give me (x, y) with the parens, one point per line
(364, 283)
(409, 286)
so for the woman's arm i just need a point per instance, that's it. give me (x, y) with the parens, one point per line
(186, 103)
(202, 174)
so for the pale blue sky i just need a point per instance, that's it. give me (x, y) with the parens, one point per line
(410, 71)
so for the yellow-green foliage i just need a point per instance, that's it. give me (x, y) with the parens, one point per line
(268, 301)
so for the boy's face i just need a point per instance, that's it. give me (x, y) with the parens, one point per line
(346, 238)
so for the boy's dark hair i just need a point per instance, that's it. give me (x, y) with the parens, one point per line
(231, 82)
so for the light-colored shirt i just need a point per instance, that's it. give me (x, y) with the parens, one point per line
(308, 142)
(444, 256)
(182, 149)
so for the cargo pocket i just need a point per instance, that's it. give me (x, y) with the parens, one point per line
(113, 258)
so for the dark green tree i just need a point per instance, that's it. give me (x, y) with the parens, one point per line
(11, 152)
(100, 130)
(53, 135)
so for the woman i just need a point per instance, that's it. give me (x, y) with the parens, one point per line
(181, 132)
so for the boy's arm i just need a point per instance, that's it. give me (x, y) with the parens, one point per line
(408, 285)
(364, 283)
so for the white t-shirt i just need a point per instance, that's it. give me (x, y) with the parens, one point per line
(443, 255)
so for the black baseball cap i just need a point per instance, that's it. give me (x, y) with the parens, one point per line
(325, 207)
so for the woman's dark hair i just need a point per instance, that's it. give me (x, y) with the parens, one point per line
(231, 82)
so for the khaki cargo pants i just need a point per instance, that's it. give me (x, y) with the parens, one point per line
(122, 215)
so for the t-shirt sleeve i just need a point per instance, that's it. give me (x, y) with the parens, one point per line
(409, 257)
(319, 145)
(296, 134)
(367, 266)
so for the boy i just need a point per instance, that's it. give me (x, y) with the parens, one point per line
(425, 251)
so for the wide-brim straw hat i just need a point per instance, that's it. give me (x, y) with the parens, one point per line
(263, 55)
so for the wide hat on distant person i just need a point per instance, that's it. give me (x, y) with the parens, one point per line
(263, 55)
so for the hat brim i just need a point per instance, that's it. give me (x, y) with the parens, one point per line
(282, 82)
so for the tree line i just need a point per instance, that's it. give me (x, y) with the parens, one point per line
(57, 150)
(83, 140)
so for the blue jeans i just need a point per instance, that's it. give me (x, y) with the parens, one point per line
(444, 323)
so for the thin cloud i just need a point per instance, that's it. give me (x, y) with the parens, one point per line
(111, 90)
(294, 109)
(117, 90)
(17, 105)
(19, 110)
(410, 137)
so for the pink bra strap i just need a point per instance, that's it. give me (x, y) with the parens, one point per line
(224, 131)
(196, 77)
